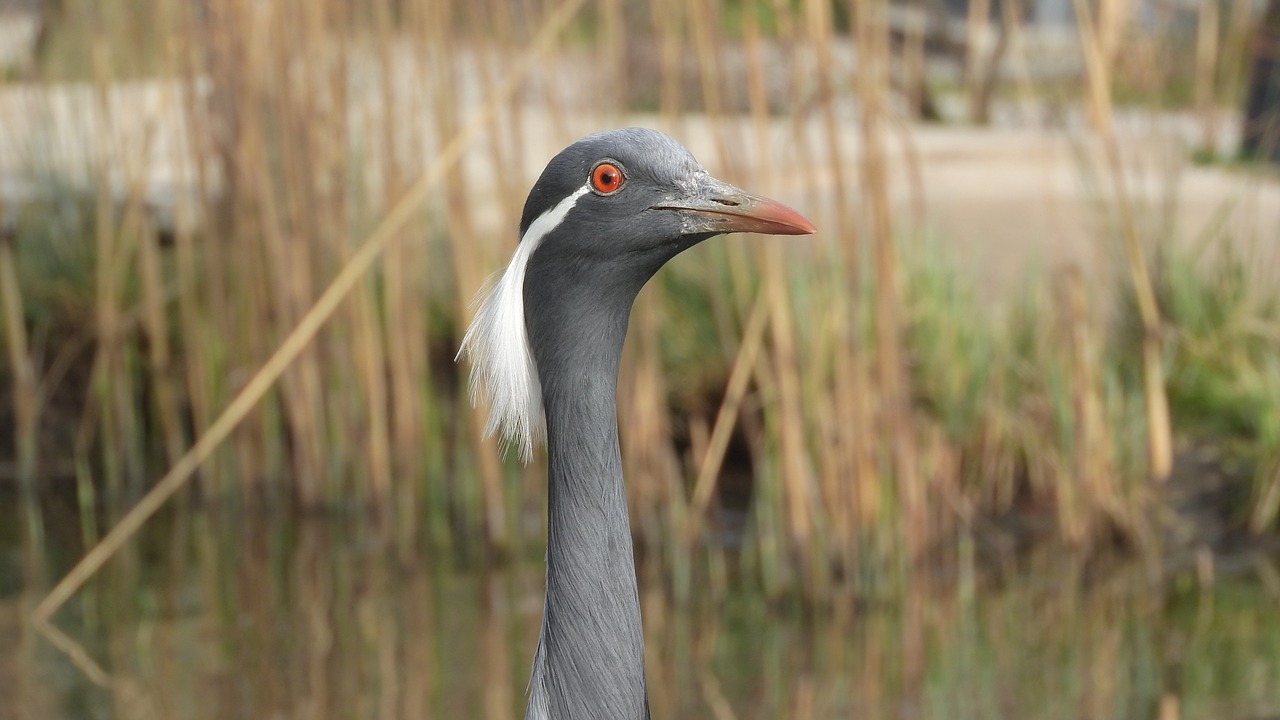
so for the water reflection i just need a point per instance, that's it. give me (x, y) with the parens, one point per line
(222, 614)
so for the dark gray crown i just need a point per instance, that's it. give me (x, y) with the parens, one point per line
(648, 157)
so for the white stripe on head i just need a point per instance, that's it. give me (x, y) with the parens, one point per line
(497, 343)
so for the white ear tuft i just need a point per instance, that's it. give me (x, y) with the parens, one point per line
(497, 344)
(502, 366)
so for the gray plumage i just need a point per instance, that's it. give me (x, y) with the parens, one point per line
(588, 255)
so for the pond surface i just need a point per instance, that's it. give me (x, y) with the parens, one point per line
(222, 614)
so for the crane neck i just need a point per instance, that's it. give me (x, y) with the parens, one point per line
(590, 658)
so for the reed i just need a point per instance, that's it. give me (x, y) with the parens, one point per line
(853, 392)
(26, 399)
(1099, 41)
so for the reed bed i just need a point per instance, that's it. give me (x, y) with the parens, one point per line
(853, 397)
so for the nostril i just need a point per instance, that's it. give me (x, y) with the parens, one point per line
(726, 201)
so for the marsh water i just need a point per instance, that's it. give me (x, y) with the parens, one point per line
(214, 612)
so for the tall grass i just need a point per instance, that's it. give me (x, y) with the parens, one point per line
(850, 393)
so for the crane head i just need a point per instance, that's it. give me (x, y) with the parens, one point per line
(606, 213)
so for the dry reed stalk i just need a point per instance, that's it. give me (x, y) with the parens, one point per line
(772, 556)
(111, 380)
(793, 515)
(1206, 72)
(312, 575)
(369, 353)
(950, 513)
(1267, 505)
(699, 443)
(1019, 58)
(406, 368)
(1097, 69)
(744, 364)
(789, 420)
(704, 27)
(1075, 501)
(977, 29)
(797, 480)
(869, 663)
(154, 299)
(656, 499)
(225, 51)
(508, 188)
(1095, 459)
(1114, 17)
(26, 399)
(235, 68)
(912, 642)
(404, 288)
(274, 264)
(1235, 49)
(215, 55)
(418, 652)
(192, 326)
(854, 471)
(1159, 430)
(321, 118)
(614, 35)
(513, 134)
(1073, 517)
(742, 270)
(986, 82)
(913, 58)
(804, 692)
(195, 316)
(495, 650)
(714, 697)
(371, 341)
(467, 266)
(872, 82)
(1098, 696)
(78, 656)
(29, 689)
(372, 363)
(656, 612)
(387, 640)
(667, 18)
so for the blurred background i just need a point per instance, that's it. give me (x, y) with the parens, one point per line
(1001, 441)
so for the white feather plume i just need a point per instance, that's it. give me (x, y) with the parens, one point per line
(503, 370)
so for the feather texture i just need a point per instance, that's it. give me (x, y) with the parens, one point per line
(497, 344)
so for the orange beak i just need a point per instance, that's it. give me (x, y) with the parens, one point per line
(723, 208)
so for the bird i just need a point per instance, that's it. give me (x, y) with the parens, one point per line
(544, 345)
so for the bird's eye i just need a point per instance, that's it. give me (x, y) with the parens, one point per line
(606, 178)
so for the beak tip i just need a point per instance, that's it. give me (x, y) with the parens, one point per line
(784, 220)
(805, 226)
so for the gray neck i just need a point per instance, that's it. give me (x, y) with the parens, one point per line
(590, 659)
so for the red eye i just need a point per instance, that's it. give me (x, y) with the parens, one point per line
(606, 178)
